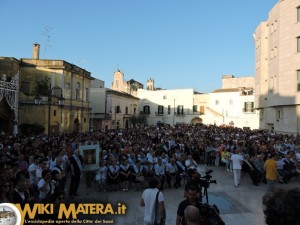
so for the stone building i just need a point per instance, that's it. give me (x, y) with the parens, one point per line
(52, 93)
(111, 109)
(119, 84)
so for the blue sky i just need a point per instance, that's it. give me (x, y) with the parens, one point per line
(179, 43)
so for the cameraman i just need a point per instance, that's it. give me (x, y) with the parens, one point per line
(194, 181)
(191, 199)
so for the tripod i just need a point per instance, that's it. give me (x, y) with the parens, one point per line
(206, 193)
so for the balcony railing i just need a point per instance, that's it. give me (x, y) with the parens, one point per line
(180, 113)
(248, 110)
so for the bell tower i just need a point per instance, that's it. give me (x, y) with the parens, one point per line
(150, 85)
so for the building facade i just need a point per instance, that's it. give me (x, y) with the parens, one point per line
(53, 94)
(169, 106)
(111, 109)
(277, 69)
(232, 107)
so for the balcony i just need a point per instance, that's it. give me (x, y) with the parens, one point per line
(159, 113)
(248, 110)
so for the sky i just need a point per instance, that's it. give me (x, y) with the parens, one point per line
(178, 43)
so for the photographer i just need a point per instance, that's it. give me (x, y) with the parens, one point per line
(194, 181)
(191, 199)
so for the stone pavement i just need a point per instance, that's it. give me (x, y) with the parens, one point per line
(238, 206)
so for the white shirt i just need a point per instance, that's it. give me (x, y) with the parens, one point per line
(149, 197)
(101, 173)
(38, 174)
(43, 194)
(171, 168)
(236, 161)
(32, 177)
(159, 169)
(192, 163)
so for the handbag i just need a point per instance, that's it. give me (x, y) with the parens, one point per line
(155, 206)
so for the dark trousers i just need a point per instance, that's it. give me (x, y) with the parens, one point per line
(169, 179)
(74, 184)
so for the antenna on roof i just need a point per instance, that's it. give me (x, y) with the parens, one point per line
(46, 36)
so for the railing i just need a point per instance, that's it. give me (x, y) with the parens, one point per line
(247, 110)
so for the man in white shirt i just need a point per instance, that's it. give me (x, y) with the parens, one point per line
(237, 161)
(44, 186)
(41, 167)
(190, 163)
(153, 214)
(32, 171)
(172, 173)
(160, 172)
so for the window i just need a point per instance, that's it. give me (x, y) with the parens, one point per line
(160, 109)
(77, 94)
(86, 94)
(180, 110)
(217, 102)
(298, 14)
(230, 102)
(146, 109)
(279, 114)
(194, 108)
(126, 110)
(248, 107)
(202, 110)
(67, 89)
(298, 80)
(164, 97)
(118, 109)
(54, 112)
(169, 109)
(134, 111)
(298, 44)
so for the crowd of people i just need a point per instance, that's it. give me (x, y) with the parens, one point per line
(36, 169)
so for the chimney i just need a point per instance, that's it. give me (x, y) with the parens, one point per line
(36, 51)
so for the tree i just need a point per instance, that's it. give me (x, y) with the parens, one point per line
(140, 119)
(42, 87)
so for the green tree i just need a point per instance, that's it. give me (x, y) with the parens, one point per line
(42, 87)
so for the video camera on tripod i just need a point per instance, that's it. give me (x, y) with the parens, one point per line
(205, 181)
(210, 213)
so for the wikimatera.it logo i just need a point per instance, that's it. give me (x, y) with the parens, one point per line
(66, 213)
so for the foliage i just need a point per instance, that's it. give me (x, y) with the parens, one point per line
(31, 129)
(42, 87)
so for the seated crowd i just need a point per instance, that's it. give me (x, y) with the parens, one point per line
(36, 169)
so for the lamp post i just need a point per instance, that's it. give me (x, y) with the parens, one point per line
(52, 92)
